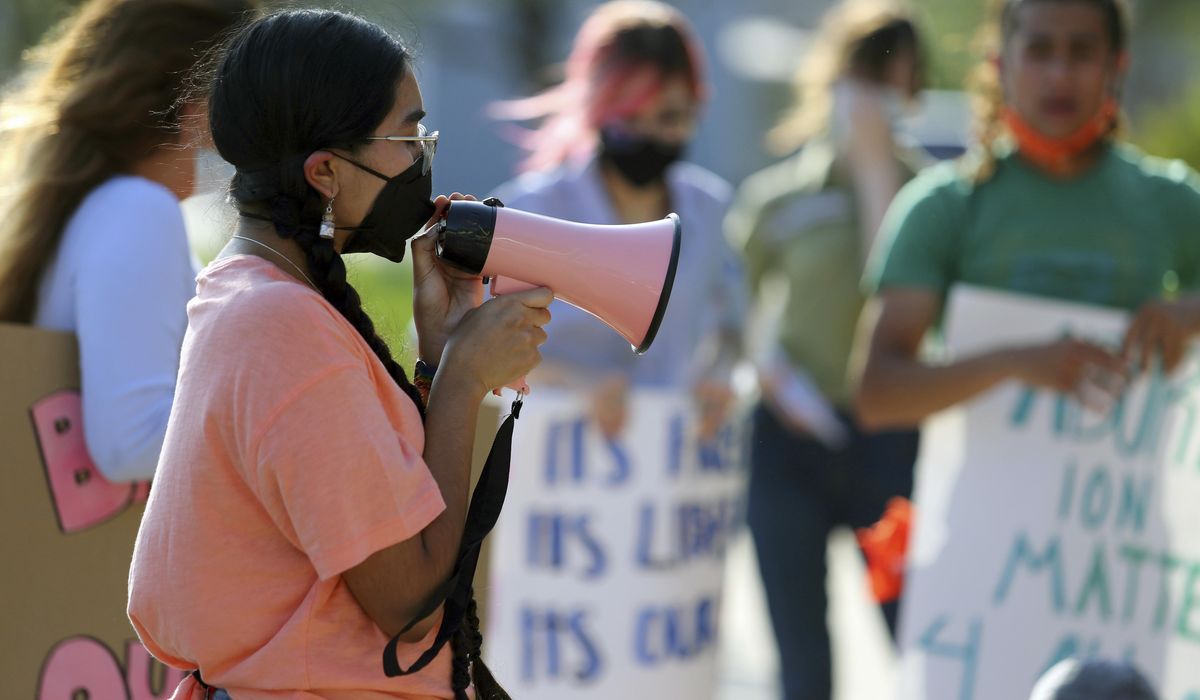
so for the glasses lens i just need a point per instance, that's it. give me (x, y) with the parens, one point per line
(428, 148)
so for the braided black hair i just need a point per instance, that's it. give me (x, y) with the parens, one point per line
(468, 646)
(290, 84)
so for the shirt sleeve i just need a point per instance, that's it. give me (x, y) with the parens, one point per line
(131, 293)
(336, 476)
(916, 243)
(1186, 224)
(727, 288)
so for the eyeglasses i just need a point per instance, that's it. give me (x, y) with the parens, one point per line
(427, 140)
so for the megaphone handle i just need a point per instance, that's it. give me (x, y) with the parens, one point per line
(505, 285)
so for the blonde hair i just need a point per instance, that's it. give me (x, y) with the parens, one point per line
(856, 38)
(98, 96)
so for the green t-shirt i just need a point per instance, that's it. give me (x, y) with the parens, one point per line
(1125, 232)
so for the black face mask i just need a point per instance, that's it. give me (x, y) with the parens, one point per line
(638, 159)
(400, 210)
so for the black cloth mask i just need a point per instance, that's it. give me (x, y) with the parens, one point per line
(638, 159)
(402, 207)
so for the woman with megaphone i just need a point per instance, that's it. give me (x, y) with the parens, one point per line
(311, 499)
(608, 151)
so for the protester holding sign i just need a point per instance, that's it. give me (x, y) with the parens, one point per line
(97, 149)
(805, 226)
(1053, 205)
(608, 152)
(1029, 249)
(310, 502)
(609, 566)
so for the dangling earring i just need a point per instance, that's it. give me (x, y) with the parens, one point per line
(327, 222)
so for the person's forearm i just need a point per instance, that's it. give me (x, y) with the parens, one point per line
(450, 421)
(900, 392)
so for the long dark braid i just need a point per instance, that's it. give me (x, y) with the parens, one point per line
(299, 219)
(467, 644)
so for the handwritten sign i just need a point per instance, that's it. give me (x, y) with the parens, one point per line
(608, 561)
(66, 539)
(1045, 530)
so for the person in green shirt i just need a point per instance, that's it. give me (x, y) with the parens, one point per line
(804, 226)
(1052, 204)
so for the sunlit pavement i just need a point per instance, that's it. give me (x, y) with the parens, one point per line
(864, 663)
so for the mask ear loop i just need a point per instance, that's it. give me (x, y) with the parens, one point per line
(362, 167)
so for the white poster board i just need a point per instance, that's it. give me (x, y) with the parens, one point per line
(608, 561)
(1045, 530)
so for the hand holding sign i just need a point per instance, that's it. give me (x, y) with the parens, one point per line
(1161, 328)
(1091, 373)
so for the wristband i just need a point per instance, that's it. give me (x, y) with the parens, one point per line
(423, 379)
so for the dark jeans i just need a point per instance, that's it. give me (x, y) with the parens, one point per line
(799, 492)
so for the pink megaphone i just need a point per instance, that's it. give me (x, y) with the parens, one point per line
(622, 275)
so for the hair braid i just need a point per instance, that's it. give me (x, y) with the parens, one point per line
(467, 644)
(299, 220)
(460, 675)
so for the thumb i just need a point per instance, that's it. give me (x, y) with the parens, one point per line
(424, 248)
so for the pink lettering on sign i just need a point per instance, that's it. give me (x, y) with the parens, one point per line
(85, 665)
(140, 670)
(82, 497)
(81, 664)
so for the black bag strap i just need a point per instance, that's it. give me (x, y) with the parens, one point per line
(456, 591)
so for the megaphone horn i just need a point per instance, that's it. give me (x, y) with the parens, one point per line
(622, 275)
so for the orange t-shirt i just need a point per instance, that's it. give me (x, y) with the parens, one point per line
(290, 457)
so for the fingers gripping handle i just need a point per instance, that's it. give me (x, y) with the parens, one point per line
(468, 251)
(506, 285)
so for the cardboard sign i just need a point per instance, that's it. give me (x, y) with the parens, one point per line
(66, 539)
(609, 557)
(1045, 530)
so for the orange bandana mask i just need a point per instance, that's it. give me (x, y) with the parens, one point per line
(1055, 154)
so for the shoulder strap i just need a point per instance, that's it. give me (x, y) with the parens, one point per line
(456, 591)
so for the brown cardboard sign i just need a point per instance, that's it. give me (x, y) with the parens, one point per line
(66, 539)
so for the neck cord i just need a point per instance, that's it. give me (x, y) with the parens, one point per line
(286, 259)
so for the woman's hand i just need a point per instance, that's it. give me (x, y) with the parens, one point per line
(714, 401)
(497, 343)
(1093, 374)
(442, 295)
(608, 404)
(1161, 328)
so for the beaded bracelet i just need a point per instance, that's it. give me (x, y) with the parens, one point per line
(423, 379)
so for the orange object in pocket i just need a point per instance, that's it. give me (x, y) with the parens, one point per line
(885, 546)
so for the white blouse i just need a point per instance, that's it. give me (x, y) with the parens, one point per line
(121, 280)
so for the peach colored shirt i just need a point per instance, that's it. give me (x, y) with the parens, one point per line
(290, 457)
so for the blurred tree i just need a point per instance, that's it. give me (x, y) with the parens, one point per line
(1173, 130)
(1164, 89)
(951, 28)
(22, 24)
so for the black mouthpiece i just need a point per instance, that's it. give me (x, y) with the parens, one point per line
(465, 235)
